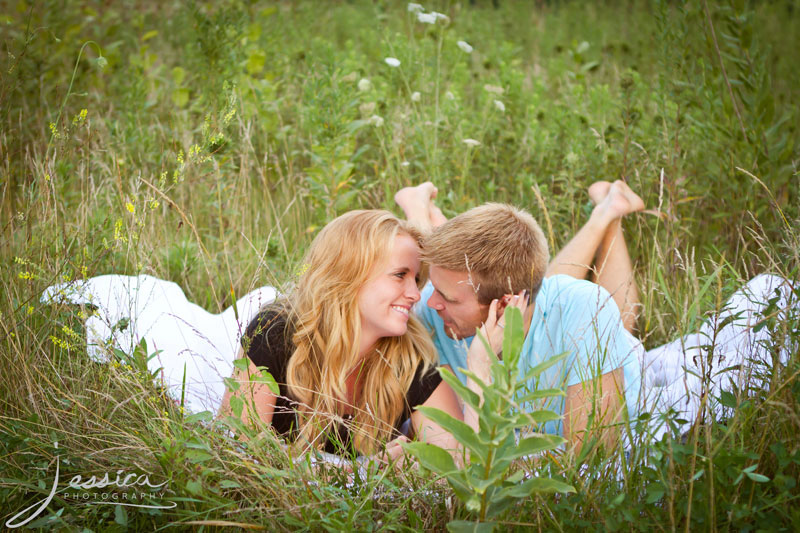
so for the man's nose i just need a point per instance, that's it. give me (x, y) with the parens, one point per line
(435, 302)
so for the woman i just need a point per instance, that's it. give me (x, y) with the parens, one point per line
(350, 359)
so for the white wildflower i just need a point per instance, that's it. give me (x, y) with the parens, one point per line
(449, 95)
(464, 45)
(392, 61)
(405, 164)
(415, 96)
(432, 17)
(376, 121)
(494, 89)
(415, 8)
(364, 85)
(471, 142)
(500, 106)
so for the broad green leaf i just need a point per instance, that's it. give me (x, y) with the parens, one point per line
(758, 478)
(532, 445)
(255, 62)
(469, 397)
(178, 75)
(180, 96)
(431, 457)
(463, 526)
(542, 416)
(237, 405)
(265, 378)
(537, 484)
(241, 363)
(513, 336)
(541, 393)
(460, 430)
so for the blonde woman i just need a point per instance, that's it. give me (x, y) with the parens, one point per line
(351, 360)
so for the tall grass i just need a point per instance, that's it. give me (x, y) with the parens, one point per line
(219, 137)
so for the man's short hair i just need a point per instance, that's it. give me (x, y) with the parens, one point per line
(502, 247)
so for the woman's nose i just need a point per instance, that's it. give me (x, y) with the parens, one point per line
(412, 291)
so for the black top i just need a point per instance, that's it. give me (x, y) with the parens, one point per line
(269, 344)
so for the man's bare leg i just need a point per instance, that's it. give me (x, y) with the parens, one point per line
(417, 204)
(599, 247)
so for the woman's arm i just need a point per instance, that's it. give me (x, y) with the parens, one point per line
(258, 398)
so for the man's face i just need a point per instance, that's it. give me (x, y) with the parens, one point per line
(455, 300)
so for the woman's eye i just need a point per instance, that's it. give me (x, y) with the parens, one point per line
(400, 275)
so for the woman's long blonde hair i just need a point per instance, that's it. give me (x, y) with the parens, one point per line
(323, 312)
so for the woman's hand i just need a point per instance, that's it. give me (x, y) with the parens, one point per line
(478, 360)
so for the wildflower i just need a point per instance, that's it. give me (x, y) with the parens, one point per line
(47, 177)
(500, 106)
(432, 17)
(27, 275)
(364, 85)
(130, 207)
(405, 164)
(494, 89)
(449, 95)
(464, 45)
(30, 310)
(471, 142)
(415, 8)
(415, 96)
(392, 61)
(376, 121)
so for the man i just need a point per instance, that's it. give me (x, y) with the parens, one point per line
(496, 255)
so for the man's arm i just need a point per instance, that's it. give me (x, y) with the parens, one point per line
(602, 400)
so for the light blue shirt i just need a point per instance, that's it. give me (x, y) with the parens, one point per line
(570, 315)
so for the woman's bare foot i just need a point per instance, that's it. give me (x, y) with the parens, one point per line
(619, 200)
(417, 204)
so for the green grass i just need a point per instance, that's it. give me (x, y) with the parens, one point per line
(219, 137)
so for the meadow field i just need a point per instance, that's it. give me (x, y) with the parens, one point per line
(206, 143)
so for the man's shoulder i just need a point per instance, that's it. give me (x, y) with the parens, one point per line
(565, 291)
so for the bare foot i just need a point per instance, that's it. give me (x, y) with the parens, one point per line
(417, 204)
(619, 201)
(598, 191)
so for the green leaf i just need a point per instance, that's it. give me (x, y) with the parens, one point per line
(197, 456)
(431, 457)
(228, 484)
(180, 96)
(265, 378)
(541, 393)
(537, 484)
(242, 363)
(513, 336)
(758, 478)
(469, 397)
(463, 526)
(460, 430)
(237, 405)
(542, 416)
(231, 384)
(178, 75)
(541, 367)
(533, 445)
(255, 62)
(194, 487)
(121, 516)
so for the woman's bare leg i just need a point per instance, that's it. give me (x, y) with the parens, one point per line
(599, 247)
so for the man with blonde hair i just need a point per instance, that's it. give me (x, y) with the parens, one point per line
(497, 255)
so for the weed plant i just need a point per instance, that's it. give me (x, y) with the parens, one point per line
(207, 142)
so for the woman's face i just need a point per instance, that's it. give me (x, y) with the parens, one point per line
(385, 301)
